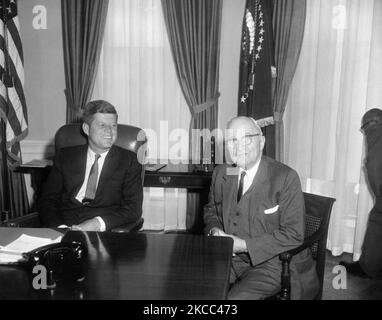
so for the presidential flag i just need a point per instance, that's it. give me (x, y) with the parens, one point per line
(13, 110)
(256, 62)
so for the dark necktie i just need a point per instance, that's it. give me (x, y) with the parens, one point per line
(241, 184)
(91, 187)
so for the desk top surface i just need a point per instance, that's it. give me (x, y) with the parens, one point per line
(137, 266)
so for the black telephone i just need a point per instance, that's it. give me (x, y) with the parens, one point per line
(63, 261)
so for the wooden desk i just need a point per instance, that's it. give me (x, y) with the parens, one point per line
(197, 184)
(137, 266)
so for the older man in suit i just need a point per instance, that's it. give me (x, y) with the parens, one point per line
(258, 202)
(93, 187)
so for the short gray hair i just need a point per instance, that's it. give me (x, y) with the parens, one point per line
(97, 106)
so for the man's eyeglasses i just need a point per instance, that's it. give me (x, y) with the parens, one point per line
(246, 140)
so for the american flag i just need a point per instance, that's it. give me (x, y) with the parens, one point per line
(13, 110)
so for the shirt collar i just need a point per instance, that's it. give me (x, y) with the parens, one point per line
(252, 171)
(92, 154)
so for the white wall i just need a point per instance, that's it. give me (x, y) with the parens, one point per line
(44, 79)
(44, 69)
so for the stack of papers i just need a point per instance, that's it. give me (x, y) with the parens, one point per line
(12, 253)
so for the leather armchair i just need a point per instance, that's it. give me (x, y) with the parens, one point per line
(129, 137)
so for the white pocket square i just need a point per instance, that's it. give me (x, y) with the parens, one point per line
(271, 210)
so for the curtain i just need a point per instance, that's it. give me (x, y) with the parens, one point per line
(288, 28)
(136, 74)
(336, 81)
(82, 32)
(193, 29)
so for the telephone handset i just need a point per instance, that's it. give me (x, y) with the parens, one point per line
(63, 261)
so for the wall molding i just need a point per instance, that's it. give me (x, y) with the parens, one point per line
(36, 149)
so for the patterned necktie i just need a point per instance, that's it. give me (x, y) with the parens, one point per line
(241, 184)
(91, 187)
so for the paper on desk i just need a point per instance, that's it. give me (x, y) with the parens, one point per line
(12, 252)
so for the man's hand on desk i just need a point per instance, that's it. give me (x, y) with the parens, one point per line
(217, 232)
(239, 245)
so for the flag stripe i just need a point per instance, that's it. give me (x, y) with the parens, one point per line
(19, 87)
(18, 83)
(16, 123)
(15, 149)
(13, 56)
(19, 96)
(11, 118)
(17, 107)
(16, 39)
(14, 34)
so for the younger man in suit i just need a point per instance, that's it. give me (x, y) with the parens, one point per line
(260, 205)
(93, 187)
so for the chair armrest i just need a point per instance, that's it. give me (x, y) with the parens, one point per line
(308, 242)
(130, 227)
(30, 220)
(286, 258)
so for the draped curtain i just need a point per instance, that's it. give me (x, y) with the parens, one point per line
(193, 29)
(288, 28)
(338, 78)
(136, 74)
(83, 25)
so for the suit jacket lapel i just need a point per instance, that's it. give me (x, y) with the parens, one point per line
(230, 186)
(109, 166)
(260, 176)
(78, 167)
